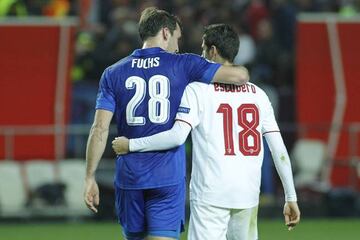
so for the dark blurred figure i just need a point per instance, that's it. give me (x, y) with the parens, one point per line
(247, 48)
(255, 13)
(267, 55)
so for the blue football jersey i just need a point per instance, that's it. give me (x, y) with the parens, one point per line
(144, 92)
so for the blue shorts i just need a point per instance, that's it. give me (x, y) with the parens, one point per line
(155, 212)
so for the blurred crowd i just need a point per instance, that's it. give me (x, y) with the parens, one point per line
(109, 29)
(51, 8)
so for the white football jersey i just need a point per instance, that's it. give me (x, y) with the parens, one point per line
(228, 122)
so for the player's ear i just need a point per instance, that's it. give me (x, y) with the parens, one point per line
(213, 52)
(165, 33)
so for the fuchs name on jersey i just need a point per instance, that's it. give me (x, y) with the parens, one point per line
(145, 63)
(222, 87)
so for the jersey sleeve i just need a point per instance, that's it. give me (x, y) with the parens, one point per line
(106, 96)
(190, 107)
(282, 164)
(269, 122)
(199, 69)
(161, 141)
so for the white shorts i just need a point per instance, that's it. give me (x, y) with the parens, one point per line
(209, 222)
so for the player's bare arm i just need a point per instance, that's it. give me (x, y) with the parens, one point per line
(95, 148)
(120, 145)
(232, 74)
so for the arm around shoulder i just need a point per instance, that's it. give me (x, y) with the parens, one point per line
(232, 75)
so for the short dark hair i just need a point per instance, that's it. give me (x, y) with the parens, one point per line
(152, 20)
(224, 38)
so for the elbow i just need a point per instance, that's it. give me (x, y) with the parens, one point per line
(180, 131)
(99, 127)
(178, 141)
(99, 131)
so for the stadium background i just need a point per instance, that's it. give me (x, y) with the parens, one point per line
(304, 54)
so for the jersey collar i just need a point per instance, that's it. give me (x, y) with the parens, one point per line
(147, 51)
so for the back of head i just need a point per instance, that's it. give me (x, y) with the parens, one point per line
(224, 38)
(152, 20)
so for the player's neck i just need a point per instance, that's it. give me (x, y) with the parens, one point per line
(227, 63)
(224, 62)
(151, 43)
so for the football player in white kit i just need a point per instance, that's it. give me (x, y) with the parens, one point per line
(227, 123)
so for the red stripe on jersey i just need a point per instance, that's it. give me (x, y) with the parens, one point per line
(270, 132)
(183, 121)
